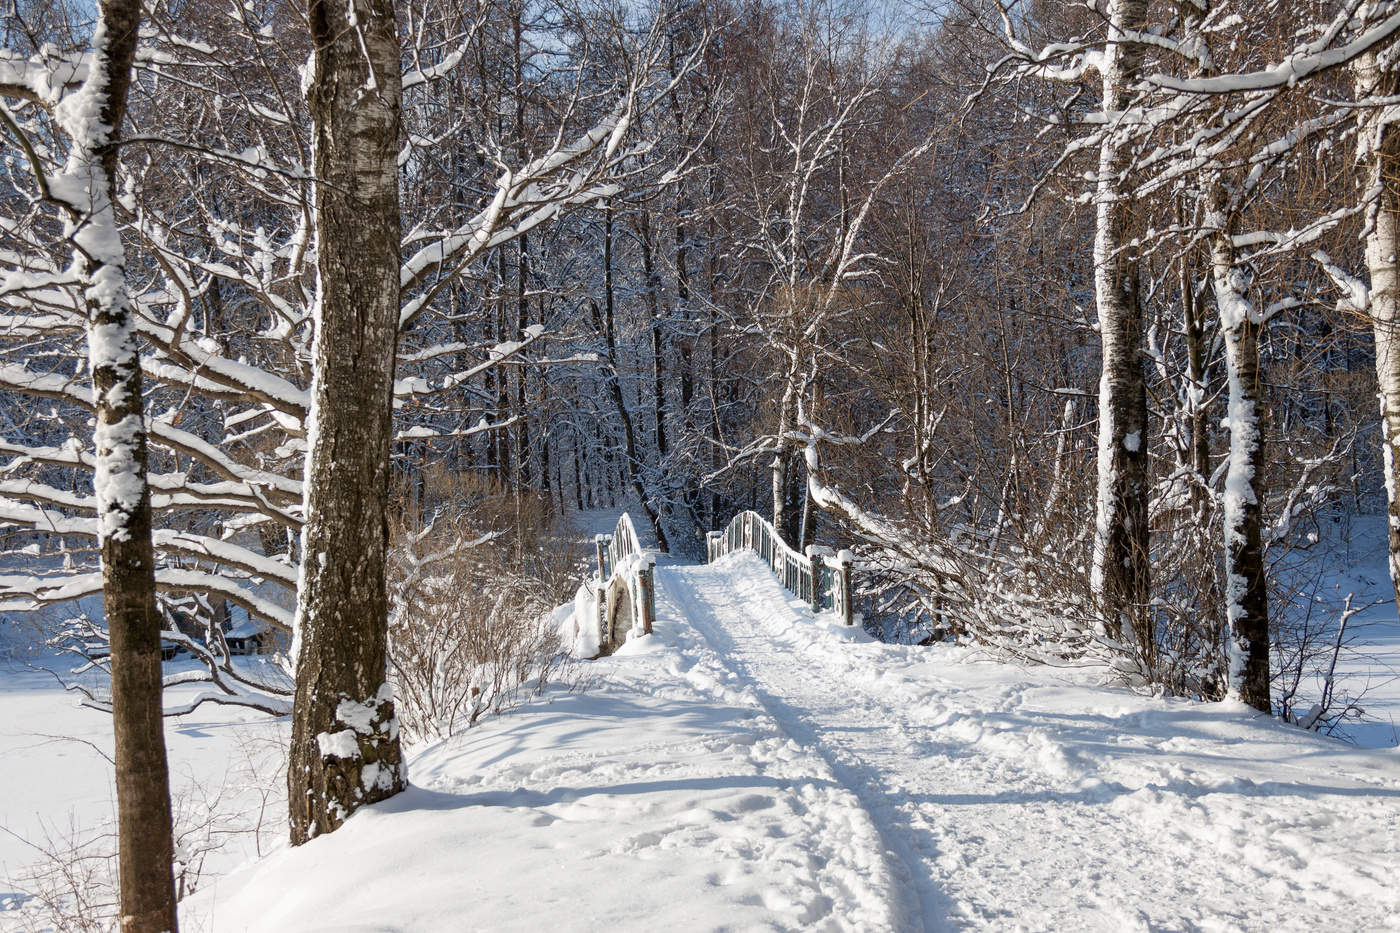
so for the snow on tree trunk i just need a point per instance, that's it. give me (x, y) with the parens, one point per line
(1246, 595)
(91, 117)
(1380, 147)
(1120, 567)
(345, 739)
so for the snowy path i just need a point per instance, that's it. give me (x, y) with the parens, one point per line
(798, 699)
(1009, 810)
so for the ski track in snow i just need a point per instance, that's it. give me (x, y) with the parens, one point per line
(705, 600)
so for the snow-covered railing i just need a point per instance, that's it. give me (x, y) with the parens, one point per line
(820, 578)
(625, 573)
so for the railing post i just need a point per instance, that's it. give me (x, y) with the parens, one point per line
(713, 542)
(603, 633)
(817, 555)
(646, 583)
(844, 591)
(600, 546)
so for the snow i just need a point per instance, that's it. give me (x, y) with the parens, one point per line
(361, 716)
(56, 783)
(46, 76)
(1368, 669)
(577, 624)
(339, 744)
(750, 766)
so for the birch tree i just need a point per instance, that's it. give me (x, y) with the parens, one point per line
(1246, 594)
(1120, 574)
(91, 116)
(1376, 76)
(1120, 570)
(808, 105)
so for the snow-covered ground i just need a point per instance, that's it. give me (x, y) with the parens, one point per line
(750, 767)
(57, 794)
(1353, 563)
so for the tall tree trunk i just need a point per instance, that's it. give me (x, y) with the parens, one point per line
(682, 253)
(120, 487)
(1246, 595)
(1193, 326)
(503, 436)
(658, 341)
(782, 463)
(524, 475)
(1120, 573)
(521, 430)
(1380, 145)
(345, 738)
(633, 465)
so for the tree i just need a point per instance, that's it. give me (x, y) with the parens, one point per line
(1121, 569)
(91, 117)
(345, 739)
(1377, 79)
(217, 204)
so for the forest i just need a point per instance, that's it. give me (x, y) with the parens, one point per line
(322, 325)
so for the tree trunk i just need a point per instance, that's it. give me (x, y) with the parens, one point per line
(123, 499)
(345, 740)
(521, 432)
(1380, 143)
(1120, 573)
(147, 889)
(1193, 327)
(502, 436)
(1246, 595)
(633, 466)
(658, 341)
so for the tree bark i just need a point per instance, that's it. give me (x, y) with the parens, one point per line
(1120, 573)
(345, 742)
(1380, 145)
(780, 467)
(147, 889)
(1193, 327)
(1246, 593)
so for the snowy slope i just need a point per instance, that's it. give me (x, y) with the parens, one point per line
(749, 767)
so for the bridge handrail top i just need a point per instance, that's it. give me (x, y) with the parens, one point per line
(626, 530)
(625, 548)
(786, 548)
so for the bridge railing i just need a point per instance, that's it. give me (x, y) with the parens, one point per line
(820, 578)
(623, 569)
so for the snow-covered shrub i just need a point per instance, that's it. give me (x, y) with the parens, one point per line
(476, 570)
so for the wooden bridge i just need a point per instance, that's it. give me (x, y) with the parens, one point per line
(625, 582)
(626, 586)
